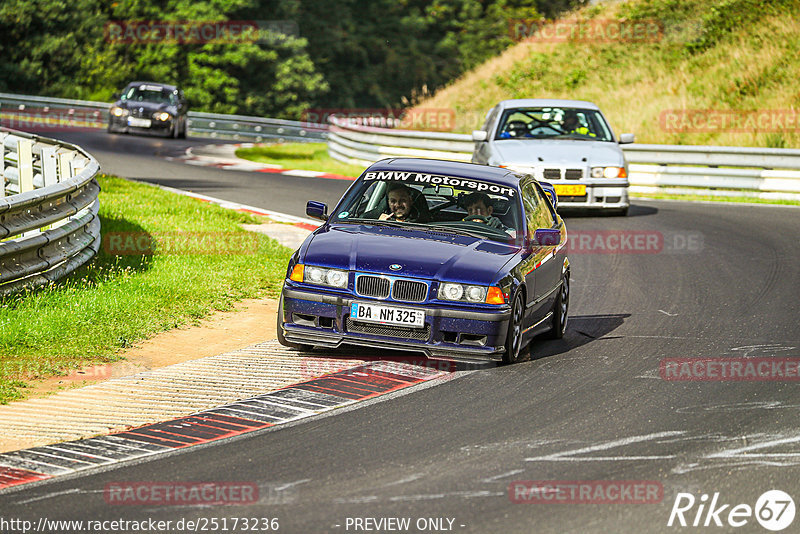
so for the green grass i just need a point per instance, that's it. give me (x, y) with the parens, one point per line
(303, 156)
(730, 56)
(118, 300)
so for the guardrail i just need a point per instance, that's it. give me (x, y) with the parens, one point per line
(708, 170)
(48, 210)
(20, 111)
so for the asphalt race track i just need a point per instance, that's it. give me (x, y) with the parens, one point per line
(141, 157)
(711, 281)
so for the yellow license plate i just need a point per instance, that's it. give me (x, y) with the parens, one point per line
(570, 190)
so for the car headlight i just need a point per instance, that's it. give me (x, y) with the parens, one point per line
(322, 276)
(451, 291)
(118, 111)
(162, 116)
(469, 293)
(609, 172)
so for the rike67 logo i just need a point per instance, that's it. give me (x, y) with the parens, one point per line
(774, 510)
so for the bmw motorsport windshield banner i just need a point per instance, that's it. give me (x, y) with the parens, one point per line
(435, 179)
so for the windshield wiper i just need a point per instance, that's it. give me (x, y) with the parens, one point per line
(457, 231)
(383, 222)
(573, 136)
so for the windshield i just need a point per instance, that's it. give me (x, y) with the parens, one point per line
(149, 93)
(553, 123)
(448, 204)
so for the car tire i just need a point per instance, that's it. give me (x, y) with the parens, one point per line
(560, 311)
(282, 340)
(110, 128)
(514, 335)
(182, 132)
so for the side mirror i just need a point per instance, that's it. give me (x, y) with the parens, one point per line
(115, 96)
(479, 135)
(546, 237)
(550, 191)
(626, 138)
(317, 210)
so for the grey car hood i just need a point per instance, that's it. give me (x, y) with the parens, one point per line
(536, 152)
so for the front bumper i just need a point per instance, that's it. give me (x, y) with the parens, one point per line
(598, 195)
(121, 124)
(459, 333)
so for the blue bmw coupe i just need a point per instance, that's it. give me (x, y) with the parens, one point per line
(449, 259)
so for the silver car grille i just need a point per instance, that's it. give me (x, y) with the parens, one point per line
(558, 174)
(551, 174)
(380, 287)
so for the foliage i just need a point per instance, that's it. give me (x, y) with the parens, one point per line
(730, 58)
(348, 53)
(68, 53)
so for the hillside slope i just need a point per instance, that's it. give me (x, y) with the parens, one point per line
(738, 58)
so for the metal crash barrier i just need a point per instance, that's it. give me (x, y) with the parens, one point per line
(38, 111)
(771, 173)
(49, 223)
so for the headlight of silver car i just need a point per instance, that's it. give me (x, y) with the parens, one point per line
(162, 116)
(609, 172)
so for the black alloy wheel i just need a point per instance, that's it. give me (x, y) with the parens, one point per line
(514, 336)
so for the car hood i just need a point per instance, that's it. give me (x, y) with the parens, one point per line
(556, 152)
(421, 254)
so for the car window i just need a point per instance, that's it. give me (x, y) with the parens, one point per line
(538, 213)
(436, 202)
(152, 94)
(554, 123)
(490, 117)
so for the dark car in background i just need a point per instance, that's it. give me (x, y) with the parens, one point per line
(403, 263)
(148, 106)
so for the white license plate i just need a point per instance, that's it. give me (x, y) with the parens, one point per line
(138, 123)
(372, 313)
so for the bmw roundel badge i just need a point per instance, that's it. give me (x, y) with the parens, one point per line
(395, 266)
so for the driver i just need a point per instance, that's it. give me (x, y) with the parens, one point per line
(479, 204)
(570, 124)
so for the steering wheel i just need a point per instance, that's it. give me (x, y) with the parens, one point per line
(479, 218)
